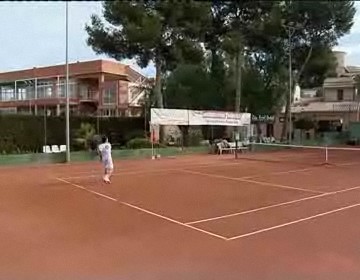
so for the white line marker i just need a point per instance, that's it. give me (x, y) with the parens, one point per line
(91, 191)
(122, 173)
(280, 172)
(144, 210)
(136, 172)
(293, 222)
(272, 206)
(250, 181)
(281, 186)
(196, 165)
(173, 221)
(75, 185)
(255, 210)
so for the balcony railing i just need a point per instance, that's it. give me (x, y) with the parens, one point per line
(91, 95)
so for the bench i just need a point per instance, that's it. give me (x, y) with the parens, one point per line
(54, 149)
(231, 147)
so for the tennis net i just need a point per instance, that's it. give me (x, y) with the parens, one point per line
(308, 155)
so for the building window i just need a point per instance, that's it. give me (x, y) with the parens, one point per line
(340, 95)
(22, 94)
(84, 92)
(44, 89)
(109, 97)
(109, 113)
(7, 94)
(62, 88)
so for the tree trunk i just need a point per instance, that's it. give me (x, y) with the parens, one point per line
(157, 88)
(185, 135)
(238, 63)
(289, 99)
(214, 58)
(286, 117)
(258, 132)
(159, 101)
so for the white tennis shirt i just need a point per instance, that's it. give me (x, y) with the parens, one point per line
(105, 150)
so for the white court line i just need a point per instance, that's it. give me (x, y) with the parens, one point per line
(83, 188)
(173, 221)
(250, 181)
(281, 186)
(198, 165)
(135, 172)
(255, 210)
(122, 173)
(292, 222)
(271, 206)
(297, 170)
(144, 210)
(281, 172)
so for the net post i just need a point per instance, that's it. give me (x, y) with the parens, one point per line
(237, 138)
(152, 138)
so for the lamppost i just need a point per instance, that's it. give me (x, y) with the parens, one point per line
(290, 29)
(67, 82)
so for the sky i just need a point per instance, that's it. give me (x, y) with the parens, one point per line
(33, 35)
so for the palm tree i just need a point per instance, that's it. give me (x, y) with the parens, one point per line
(85, 135)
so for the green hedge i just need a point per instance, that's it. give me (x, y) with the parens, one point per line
(26, 134)
(28, 159)
(138, 143)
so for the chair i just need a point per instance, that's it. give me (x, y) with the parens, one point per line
(47, 150)
(62, 148)
(55, 149)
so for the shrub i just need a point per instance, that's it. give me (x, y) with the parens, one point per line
(85, 135)
(138, 143)
(136, 133)
(195, 137)
(26, 133)
(304, 124)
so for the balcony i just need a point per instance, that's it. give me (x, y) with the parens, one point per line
(89, 96)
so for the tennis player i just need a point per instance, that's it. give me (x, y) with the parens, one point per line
(104, 151)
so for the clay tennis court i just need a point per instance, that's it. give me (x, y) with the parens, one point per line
(191, 217)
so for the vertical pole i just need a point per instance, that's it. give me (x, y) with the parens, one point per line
(15, 91)
(358, 104)
(326, 154)
(45, 131)
(97, 121)
(36, 95)
(145, 119)
(238, 83)
(58, 87)
(152, 136)
(67, 85)
(290, 87)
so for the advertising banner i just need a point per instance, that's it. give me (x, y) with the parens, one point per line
(196, 117)
(169, 117)
(219, 118)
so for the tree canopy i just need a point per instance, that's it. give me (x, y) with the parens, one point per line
(164, 32)
(208, 54)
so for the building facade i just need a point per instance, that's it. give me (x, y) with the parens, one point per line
(100, 87)
(336, 106)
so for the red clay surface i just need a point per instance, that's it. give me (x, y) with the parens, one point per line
(194, 217)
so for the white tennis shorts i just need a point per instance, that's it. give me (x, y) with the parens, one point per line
(108, 164)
